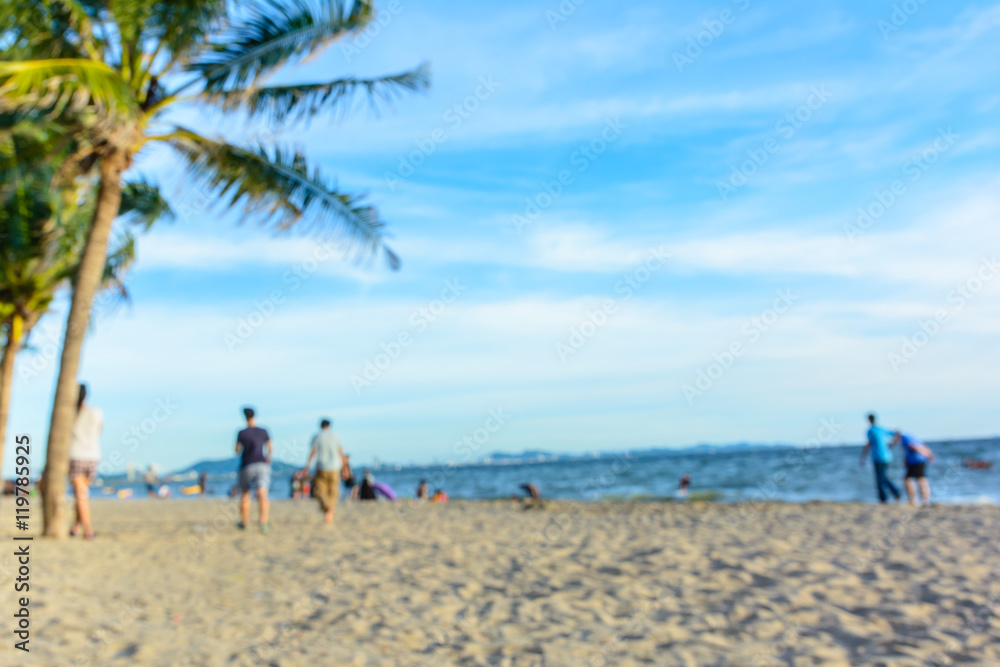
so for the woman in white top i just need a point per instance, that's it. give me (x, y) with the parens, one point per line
(84, 455)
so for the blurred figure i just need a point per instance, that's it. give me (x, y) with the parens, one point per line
(682, 490)
(329, 454)
(84, 455)
(917, 455)
(439, 496)
(253, 445)
(347, 474)
(534, 499)
(203, 482)
(879, 440)
(151, 480)
(422, 490)
(367, 489)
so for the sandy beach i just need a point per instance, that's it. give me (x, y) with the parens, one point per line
(487, 583)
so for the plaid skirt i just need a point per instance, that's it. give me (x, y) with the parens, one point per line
(86, 469)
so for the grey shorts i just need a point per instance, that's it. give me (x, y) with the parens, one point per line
(255, 476)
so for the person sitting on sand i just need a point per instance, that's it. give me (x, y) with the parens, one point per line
(329, 454)
(534, 498)
(422, 490)
(439, 496)
(917, 456)
(878, 441)
(253, 445)
(84, 455)
(367, 488)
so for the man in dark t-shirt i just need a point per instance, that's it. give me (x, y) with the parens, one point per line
(253, 445)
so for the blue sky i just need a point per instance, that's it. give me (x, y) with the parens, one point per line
(729, 144)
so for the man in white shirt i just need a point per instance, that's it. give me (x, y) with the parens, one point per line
(329, 454)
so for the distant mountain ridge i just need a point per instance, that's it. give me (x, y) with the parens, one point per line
(282, 468)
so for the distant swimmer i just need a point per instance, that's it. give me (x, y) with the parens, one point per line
(682, 490)
(879, 440)
(975, 464)
(917, 456)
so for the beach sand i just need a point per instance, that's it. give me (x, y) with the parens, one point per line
(486, 583)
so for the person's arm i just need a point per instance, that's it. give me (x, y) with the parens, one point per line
(864, 453)
(343, 459)
(925, 450)
(269, 448)
(309, 461)
(239, 447)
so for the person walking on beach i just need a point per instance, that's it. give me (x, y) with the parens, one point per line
(329, 454)
(682, 489)
(84, 455)
(878, 441)
(253, 445)
(917, 456)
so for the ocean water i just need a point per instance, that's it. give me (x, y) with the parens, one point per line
(725, 474)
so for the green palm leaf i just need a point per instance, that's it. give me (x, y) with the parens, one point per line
(276, 187)
(142, 204)
(302, 101)
(55, 85)
(272, 35)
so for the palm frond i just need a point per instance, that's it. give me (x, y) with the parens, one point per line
(54, 86)
(276, 187)
(273, 34)
(299, 102)
(183, 25)
(121, 256)
(142, 204)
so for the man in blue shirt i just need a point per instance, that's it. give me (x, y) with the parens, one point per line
(917, 456)
(253, 445)
(879, 440)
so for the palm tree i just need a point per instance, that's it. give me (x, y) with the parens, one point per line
(43, 228)
(123, 66)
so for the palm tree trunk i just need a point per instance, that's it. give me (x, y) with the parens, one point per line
(10, 349)
(88, 279)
